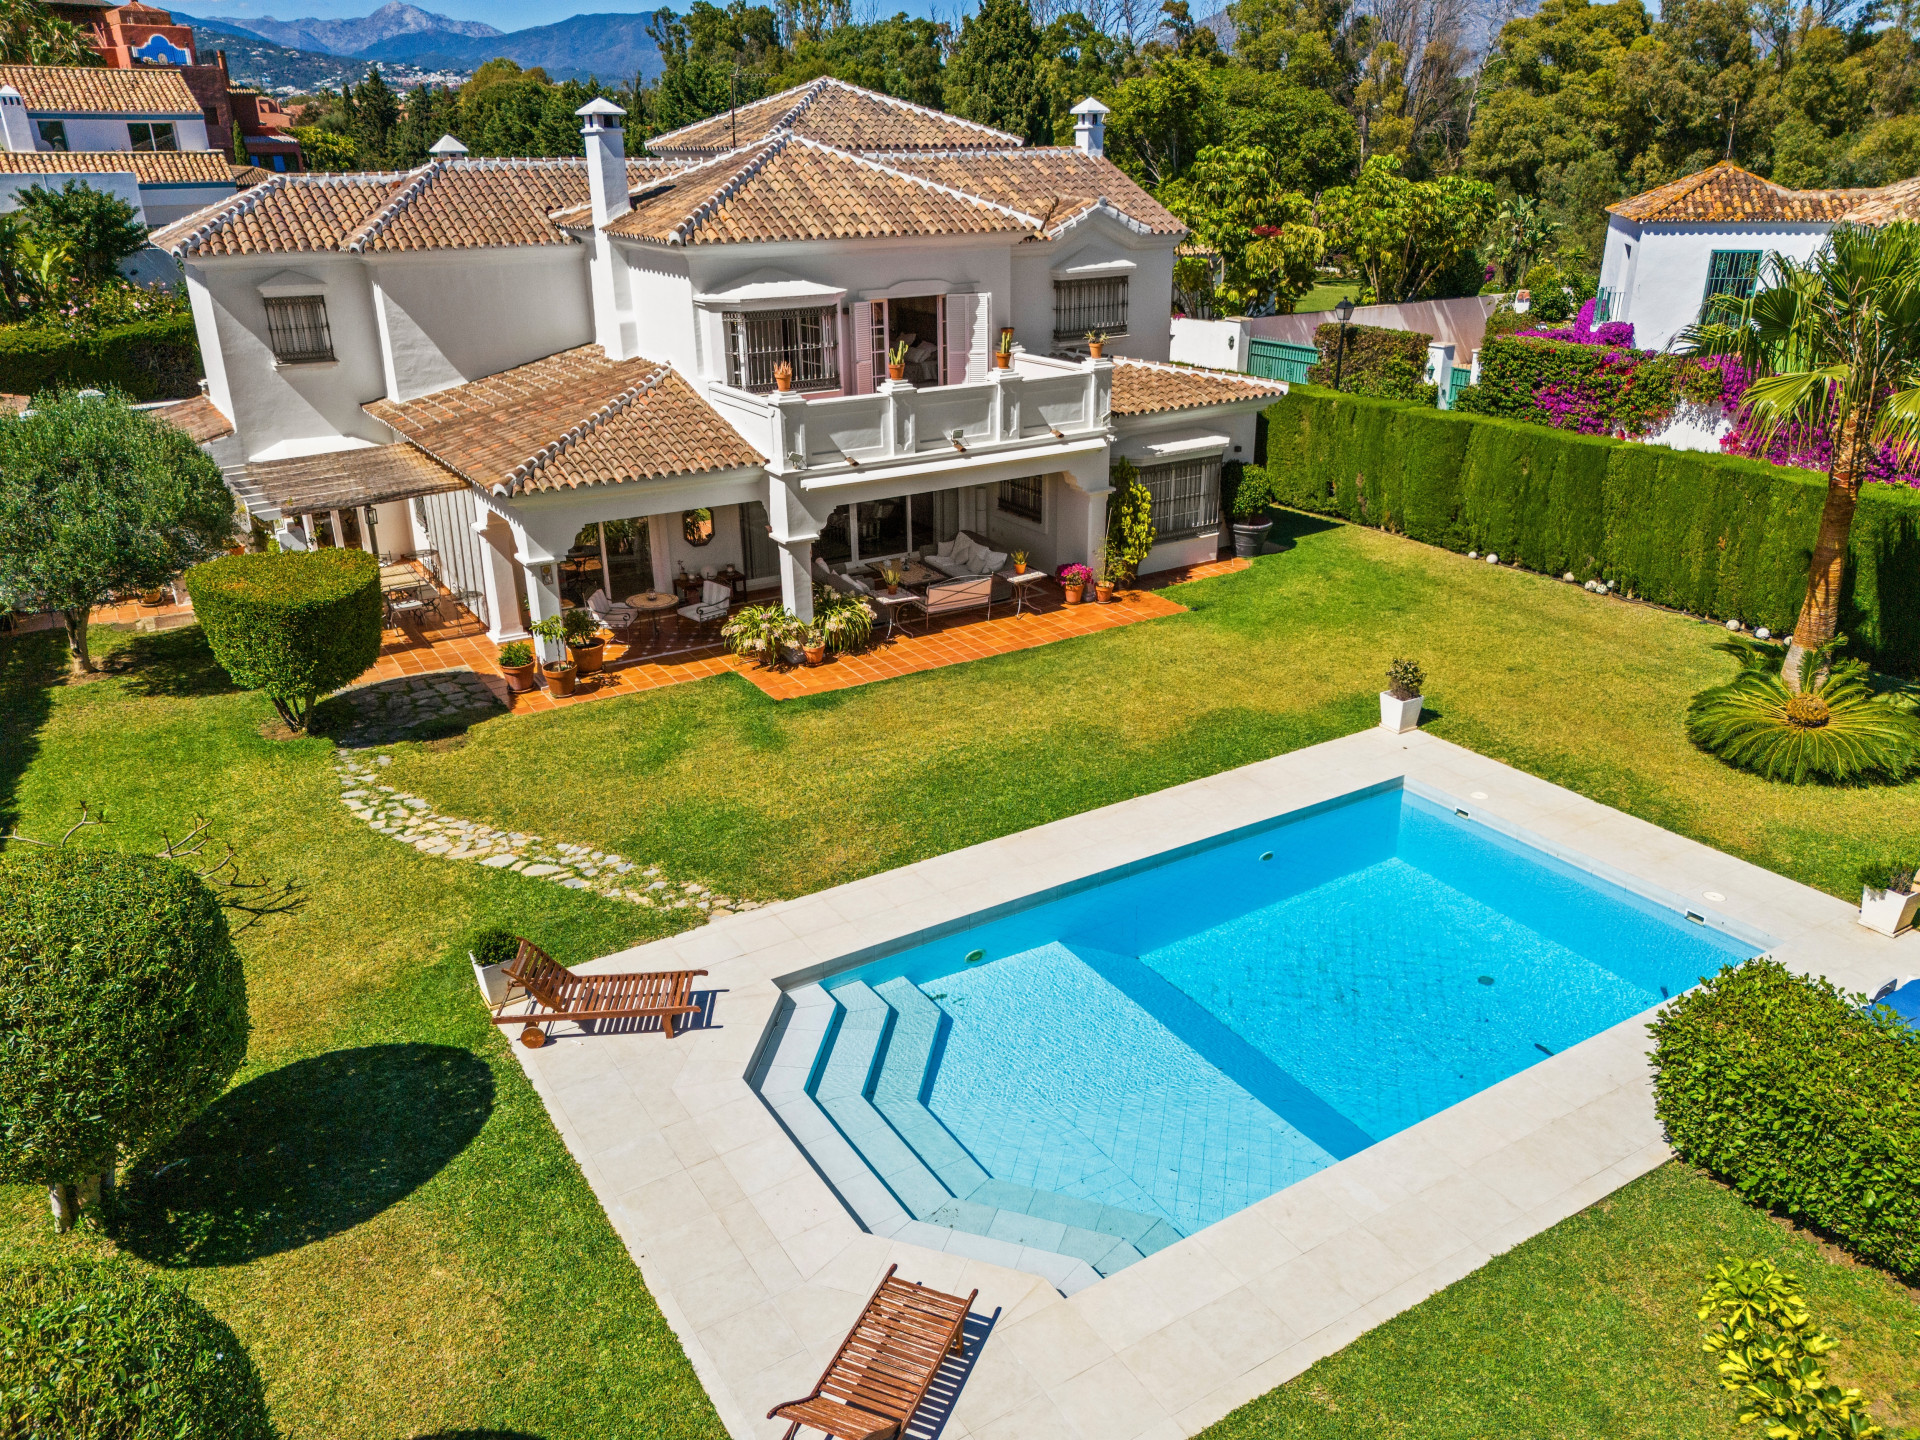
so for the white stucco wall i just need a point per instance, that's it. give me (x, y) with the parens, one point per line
(109, 132)
(119, 184)
(1096, 240)
(165, 204)
(1217, 344)
(1665, 279)
(447, 317)
(659, 292)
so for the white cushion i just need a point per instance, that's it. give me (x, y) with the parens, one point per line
(945, 566)
(992, 561)
(944, 550)
(966, 552)
(713, 592)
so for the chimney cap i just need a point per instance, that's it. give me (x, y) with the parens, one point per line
(8, 92)
(446, 145)
(599, 105)
(1091, 106)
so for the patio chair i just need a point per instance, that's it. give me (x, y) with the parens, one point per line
(950, 596)
(715, 600)
(880, 1375)
(559, 994)
(615, 616)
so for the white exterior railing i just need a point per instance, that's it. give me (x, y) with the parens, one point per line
(1038, 403)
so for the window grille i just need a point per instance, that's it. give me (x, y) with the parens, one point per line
(1083, 305)
(1733, 272)
(157, 136)
(297, 328)
(758, 340)
(1186, 496)
(1022, 497)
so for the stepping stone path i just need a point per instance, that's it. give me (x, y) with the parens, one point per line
(410, 820)
(388, 710)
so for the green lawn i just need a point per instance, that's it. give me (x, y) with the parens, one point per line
(1326, 296)
(381, 1209)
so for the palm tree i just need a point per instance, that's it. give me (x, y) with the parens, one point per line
(1835, 344)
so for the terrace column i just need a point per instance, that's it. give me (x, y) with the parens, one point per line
(497, 579)
(796, 578)
(794, 518)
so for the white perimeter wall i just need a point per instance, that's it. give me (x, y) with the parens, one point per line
(1666, 280)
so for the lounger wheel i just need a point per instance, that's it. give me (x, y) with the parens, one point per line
(533, 1037)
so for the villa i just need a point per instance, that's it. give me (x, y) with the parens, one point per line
(490, 363)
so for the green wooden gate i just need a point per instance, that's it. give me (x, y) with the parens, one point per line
(1280, 360)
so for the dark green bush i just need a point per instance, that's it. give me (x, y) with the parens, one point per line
(1713, 534)
(1387, 363)
(96, 1350)
(493, 945)
(293, 625)
(146, 359)
(1251, 494)
(123, 1004)
(1802, 1100)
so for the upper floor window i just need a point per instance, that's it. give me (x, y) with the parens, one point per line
(1733, 272)
(758, 341)
(1186, 496)
(297, 328)
(53, 134)
(1022, 497)
(156, 136)
(1080, 306)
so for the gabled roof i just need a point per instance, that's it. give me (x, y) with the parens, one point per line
(149, 167)
(90, 90)
(446, 205)
(1059, 184)
(1725, 192)
(571, 419)
(1142, 387)
(792, 188)
(1898, 201)
(834, 113)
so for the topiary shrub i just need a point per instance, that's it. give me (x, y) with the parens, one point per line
(1252, 494)
(124, 1007)
(1130, 531)
(96, 1350)
(295, 625)
(1391, 364)
(1803, 1099)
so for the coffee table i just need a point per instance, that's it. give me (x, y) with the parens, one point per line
(1020, 580)
(655, 603)
(893, 604)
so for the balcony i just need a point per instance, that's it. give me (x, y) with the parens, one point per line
(1036, 407)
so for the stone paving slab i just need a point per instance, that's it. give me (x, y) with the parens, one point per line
(760, 1268)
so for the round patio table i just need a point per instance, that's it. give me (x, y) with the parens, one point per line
(655, 603)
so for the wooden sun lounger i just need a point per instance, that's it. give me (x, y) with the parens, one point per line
(877, 1379)
(559, 994)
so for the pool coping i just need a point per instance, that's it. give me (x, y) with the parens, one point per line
(760, 1268)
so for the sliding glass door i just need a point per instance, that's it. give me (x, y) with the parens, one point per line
(881, 529)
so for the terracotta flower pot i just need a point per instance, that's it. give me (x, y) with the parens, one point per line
(1103, 594)
(896, 372)
(1019, 567)
(519, 678)
(1003, 360)
(1075, 593)
(816, 654)
(560, 678)
(893, 589)
(1096, 348)
(783, 383)
(154, 598)
(588, 658)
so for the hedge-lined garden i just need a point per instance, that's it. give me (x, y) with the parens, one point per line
(1710, 534)
(155, 359)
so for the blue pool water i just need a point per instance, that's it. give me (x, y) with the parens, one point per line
(1104, 1071)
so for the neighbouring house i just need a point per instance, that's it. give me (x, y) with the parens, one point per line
(494, 363)
(265, 127)
(1710, 233)
(138, 134)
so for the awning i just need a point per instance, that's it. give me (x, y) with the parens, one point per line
(342, 479)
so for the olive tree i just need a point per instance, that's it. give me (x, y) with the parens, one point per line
(124, 1007)
(96, 497)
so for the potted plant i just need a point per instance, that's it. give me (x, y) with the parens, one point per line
(813, 644)
(1019, 558)
(584, 641)
(1003, 350)
(561, 676)
(1105, 564)
(783, 376)
(845, 622)
(490, 951)
(1400, 702)
(897, 361)
(1889, 898)
(890, 575)
(516, 664)
(1251, 497)
(156, 597)
(761, 631)
(1096, 344)
(1073, 581)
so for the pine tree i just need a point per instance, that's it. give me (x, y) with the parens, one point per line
(994, 74)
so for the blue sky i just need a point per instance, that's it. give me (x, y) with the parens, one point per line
(504, 14)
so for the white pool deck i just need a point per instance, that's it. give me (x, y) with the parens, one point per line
(760, 1268)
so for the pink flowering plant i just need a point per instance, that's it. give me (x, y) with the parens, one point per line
(1584, 332)
(1073, 573)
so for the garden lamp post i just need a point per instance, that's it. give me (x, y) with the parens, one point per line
(1344, 312)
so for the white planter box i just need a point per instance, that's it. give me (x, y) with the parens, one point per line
(1888, 911)
(1398, 715)
(493, 985)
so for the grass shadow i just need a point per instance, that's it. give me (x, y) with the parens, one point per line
(30, 666)
(1292, 526)
(168, 664)
(482, 1434)
(305, 1152)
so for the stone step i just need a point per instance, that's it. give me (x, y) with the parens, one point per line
(904, 1077)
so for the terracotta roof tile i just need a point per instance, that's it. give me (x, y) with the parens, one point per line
(571, 419)
(290, 213)
(246, 176)
(1899, 201)
(149, 167)
(1141, 387)
(88, 90)
(791, 188)
(1059, 184)
(1725, 192)
(197, 417)
(340, 479)
(834, 113)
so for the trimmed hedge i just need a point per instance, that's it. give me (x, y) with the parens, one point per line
(1378, 361)
(295, 625)
(1712, 534)
(96, 1350)
(147, 359)
(1784, 1088)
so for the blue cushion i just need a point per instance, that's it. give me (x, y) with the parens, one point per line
(1905, 1002)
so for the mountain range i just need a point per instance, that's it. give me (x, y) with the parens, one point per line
(613, 47)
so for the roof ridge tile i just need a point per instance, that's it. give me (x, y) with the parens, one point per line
(356, 241)
(920, 180)
(554, 449)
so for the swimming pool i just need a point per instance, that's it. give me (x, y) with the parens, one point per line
(1099, 1072)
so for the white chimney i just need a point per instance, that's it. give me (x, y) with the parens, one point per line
(606, 159)
(446, 148)
(16, 131)
(1090, 126)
